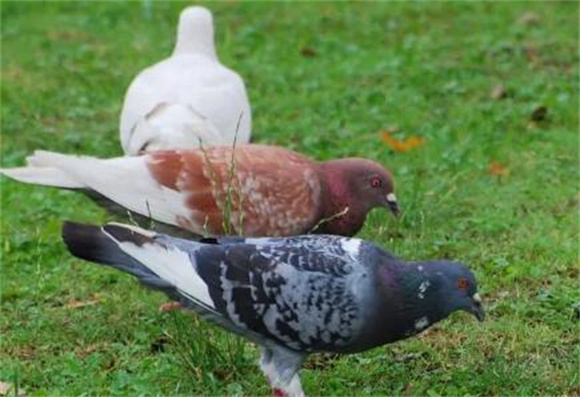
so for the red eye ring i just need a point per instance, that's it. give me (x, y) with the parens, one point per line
(462, 283)
(376, 182)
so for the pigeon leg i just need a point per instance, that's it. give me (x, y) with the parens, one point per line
(281, 366)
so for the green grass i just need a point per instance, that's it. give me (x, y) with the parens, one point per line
(426, 68)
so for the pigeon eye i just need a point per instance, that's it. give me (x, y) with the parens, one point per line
(462, 283)
(376, 182)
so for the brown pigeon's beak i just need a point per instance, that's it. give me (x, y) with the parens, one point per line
(477, 308)
(392, 203)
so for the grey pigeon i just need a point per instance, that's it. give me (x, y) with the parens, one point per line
(292, 296)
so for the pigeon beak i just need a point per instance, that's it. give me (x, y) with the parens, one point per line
(477, 308)
(392, 203)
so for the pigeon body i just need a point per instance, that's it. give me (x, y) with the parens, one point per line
(187, 99)
(292, 296)
(265, 190)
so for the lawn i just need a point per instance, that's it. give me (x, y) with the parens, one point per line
(493, 184)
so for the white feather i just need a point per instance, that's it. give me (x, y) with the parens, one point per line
(351, 246)
(187, 97)
(169, 263)
(41, 176)
(125, 180)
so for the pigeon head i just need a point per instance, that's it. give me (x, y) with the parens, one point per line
(359, 185)
(195, 32)
(457, 288)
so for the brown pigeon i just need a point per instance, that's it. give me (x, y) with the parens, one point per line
(261, 190)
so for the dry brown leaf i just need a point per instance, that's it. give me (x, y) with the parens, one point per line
(497, 169)
(402, 146)
(308, 52)
(86, 350)
(529, 18)
(78, 304)
(498, 92)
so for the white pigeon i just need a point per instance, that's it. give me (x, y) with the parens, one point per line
(187, 100)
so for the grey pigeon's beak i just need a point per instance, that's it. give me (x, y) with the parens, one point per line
(477, 308)
(392, 203)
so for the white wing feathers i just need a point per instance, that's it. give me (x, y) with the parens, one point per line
(168, 263)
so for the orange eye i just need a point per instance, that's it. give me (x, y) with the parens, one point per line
(462, 283)
(376, 182)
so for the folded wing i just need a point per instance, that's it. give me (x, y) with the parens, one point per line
(304, 293)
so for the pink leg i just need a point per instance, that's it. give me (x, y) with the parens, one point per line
(278, 393)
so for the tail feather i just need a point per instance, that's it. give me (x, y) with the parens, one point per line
(90, 243)
(41, 176)
(44, 168)
(158, 265)
(126, 181)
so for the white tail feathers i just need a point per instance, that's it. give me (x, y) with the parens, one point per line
(126, 181)
(41, 176)
(44, 168)
(195, 32)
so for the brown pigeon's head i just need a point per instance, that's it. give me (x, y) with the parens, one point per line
(353, 187)
(367, 183)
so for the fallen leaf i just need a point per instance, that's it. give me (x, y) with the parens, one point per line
(498, 92)
(90, 348)
(401, 146)
(529, 18)
(539, 114)
(308, 52)
(497, 169)
(84, 351)
(78, 304)
(8, 389)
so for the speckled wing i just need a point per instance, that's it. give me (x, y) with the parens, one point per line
(265, 190)
(307, 293)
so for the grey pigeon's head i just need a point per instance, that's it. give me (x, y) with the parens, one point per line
(457, 288)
